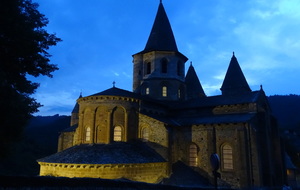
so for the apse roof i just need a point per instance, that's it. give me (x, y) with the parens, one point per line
(114, 153)
(114, 91)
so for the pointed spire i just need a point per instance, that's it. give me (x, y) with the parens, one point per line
(193, 86)
(235, 81)
(76, 107)
(161, 37)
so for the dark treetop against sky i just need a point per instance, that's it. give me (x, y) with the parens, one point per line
(99, 37)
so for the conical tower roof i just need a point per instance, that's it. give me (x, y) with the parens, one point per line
(76, 107)
(193, 86)
(235, 81)
(161, 37)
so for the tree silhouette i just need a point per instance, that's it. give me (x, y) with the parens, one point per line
(23, 51)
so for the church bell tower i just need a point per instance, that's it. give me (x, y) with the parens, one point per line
(159, 70)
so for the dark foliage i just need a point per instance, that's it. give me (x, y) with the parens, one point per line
(85, 183)
(39, 140)
(287, 112)
(23, 51)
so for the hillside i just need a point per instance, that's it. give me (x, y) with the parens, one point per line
(287, 111)
(39, 140)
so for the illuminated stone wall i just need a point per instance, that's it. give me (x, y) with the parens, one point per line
(145, 172)
(157, 130)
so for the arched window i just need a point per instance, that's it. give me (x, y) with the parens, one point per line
(164, 91)
(147, 91)
(145, 134)
(193, 158)
(227, 157)
(179, 93)
(164, 65)
(88, 134)
(118, 133)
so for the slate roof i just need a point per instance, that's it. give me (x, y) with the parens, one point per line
(193, 86)
(219, 100)
(114, 91)
(114, 153)
(76, 107)
(161, 37)
(215, 119)
(234, 81)
(70, 129)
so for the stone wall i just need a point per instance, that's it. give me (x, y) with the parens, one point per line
(144, 172)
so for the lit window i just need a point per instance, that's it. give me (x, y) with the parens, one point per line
(193, 158)
(179, 93)
(117, 133)
(88, 134)
(145, 134)
(227, 157)
(164, 91)
(147, 90)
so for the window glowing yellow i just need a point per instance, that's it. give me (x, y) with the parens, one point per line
(164, 91)
(88, 134)
(117, 133)
(227, 157)
(193, 158)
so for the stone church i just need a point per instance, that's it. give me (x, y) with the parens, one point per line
(168, 118)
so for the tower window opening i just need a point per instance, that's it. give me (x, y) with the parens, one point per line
(164, 65)
(147, 90)
(88, 134)
(179, 93)
(164, 91)
(179, 69)
(193, 158)
(117, 133)
(148, 68)
(227, 157)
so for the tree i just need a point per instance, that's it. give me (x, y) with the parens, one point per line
(23, 51)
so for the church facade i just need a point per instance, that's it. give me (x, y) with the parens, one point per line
(168, 118)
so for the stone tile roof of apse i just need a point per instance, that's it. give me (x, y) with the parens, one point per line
(235, 81)
(161, 37)
(193, 86)
(114, 91)
(113, 153)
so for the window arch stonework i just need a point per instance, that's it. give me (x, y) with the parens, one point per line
(145, 134)
(227, 157)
